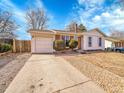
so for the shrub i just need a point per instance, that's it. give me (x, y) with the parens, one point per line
(67, 43)
(59, 45)
(5, 47)
(0, 47)
(73, 44)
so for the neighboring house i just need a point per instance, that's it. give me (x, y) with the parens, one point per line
(111, 42)
(42, 41)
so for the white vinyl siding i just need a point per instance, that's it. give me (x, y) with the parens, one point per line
(94, 43)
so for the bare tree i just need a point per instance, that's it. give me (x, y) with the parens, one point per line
(36, 19)
(7, 25)
(71, 26)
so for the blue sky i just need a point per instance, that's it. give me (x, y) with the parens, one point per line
(107, 15)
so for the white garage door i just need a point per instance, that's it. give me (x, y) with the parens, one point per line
(42, 45)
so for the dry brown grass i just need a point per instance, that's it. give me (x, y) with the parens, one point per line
(10, 65)
(113, 62)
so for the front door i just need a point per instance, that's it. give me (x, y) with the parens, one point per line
(79, 42)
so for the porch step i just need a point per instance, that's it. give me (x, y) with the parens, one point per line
(81, 51)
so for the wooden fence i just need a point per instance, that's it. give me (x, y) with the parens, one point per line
(21, 46)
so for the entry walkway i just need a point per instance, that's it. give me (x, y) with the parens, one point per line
(50, 74)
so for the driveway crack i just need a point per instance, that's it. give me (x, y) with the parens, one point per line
(58, 91)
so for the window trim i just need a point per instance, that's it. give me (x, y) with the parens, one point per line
(67, 38)
(100, 42)
(89, 41)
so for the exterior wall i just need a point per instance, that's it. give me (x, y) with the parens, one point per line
(108, 43)
(79, 42)
(123, 44)
(119, 44)
(82, 42)
(57, 37)
(95, 41)
(43, 35)
(33, 45)
(71, 37)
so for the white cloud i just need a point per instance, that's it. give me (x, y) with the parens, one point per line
(39, 4)
(89, 8)
(112, 20)
(106, 14)
(18, 13)
(93, 13)
(96, 18)
(8, 5)
(90, 3)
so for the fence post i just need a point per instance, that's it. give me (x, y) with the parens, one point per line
(14, 46)
(20, 45)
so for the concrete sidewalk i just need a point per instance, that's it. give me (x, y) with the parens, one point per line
(50, 74)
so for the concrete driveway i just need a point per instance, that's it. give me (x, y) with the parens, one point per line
(50, 74)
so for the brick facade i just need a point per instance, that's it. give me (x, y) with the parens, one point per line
(57, 37)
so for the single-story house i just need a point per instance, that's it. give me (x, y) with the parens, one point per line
(42, 41)
(114, 42)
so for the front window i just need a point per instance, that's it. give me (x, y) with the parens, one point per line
(90, 41)
(100, 42)
(67, 38)
(67, 41)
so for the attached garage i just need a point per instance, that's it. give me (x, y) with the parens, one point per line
(42, 42)
(42, 45)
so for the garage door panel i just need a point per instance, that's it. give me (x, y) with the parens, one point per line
(44, 45)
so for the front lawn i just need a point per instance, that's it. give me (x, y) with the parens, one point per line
(113, 62)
